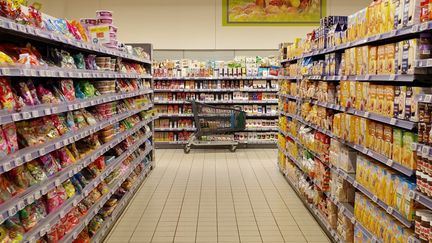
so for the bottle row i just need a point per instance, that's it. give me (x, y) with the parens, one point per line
(219, 85)
(239, 67)
(232, 96)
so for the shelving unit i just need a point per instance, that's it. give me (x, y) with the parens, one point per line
(173, 92)
(297, 160)
(131, 122)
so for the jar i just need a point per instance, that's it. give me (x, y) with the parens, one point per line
(427, 166)
(425, 226)
(417, 219)
(428, 188)
(420, 184)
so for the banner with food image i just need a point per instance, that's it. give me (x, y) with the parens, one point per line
(272, 12)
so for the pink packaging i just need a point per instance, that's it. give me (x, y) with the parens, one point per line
(113, 35)
(110, 46)
(104, 13)
(88, 21)
(105, 21)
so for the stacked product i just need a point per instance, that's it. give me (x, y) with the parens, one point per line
(244, 82)
(75, 129)
(101, 29)
(354, 142)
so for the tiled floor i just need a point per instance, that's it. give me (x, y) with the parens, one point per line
(216, 196)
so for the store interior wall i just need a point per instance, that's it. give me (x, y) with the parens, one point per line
(204, 55)
(187, 24)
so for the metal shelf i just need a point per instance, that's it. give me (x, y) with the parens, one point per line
(213, 90)
(109, 222)
(54, 217)
(158, 129)
(387, 36)
(30, 153)
(290, 77)
(12, 206)
(409, 125)
(377, 156)
(30, 112)
(55, 72)
(330, 232)
(217, 78)
(247, 115)
(84, 221)
(162, 102)
(292, 97)
(30, 32)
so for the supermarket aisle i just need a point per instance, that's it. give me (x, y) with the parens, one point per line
(216, 196)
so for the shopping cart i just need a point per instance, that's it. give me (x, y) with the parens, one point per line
(215, 126)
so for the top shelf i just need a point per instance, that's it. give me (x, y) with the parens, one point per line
(387, 36)
(217, 78)
(30, 32)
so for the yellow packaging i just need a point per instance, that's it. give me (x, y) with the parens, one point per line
(388, 141)
(397, 145)
(372, 98)
(370, 136)
(343, 125)
(379, 99)
(408, 155)
(389, 91)
(337, 125)
(364, 131)
(390, 175)
(390, 58)
(385, 15)
(353, 61)
(356, 129)
(352, 128)
(359, 60)
(365, 95)
(352, 95)
(345, 94)
(359, 95)
(373, 60)
(362, 22)
(379, 137)
(381, 64)
(391, 16)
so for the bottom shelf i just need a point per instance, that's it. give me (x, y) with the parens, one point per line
(110, 222)
(331, 233)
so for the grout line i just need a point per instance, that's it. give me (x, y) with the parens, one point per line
(247, 192)
(216, 190)
(169, 192)
(152, 194)
(184, 195)
(232, 196)
(288, 206)
(199, 199)
(265, 197)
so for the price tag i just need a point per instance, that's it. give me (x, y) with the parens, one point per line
(57, 182)
(375, 198)
(42, 152)
(393, 32)
(411, 194)
(366, 114)
(37, 195)
(355, 184)
(428, 98)
(393, 121)
(390, 162)
(424, 26)
(429, 62)
(414, 28)
(425, 151)
(12, 211)
(389, 210)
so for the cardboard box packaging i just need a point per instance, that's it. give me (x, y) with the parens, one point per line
(373, 60)
(390, 58)
(381, 64)
(380, 99)
(365, 96)
(389, 91)
(372, 98)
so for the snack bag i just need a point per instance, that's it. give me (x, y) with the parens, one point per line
(64, 157)
(36, 170)
(46, 96)
(50, 165)
(6, 95)
(69, 188)
(10, 133)
(67, 89)
(90, 119)
(4, 147)
(33, 92)
(59, 124)
(27, 217)
(70, 121)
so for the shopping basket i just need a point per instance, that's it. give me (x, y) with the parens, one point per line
(214, 125)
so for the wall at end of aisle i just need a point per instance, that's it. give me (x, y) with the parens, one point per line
(187, 24)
